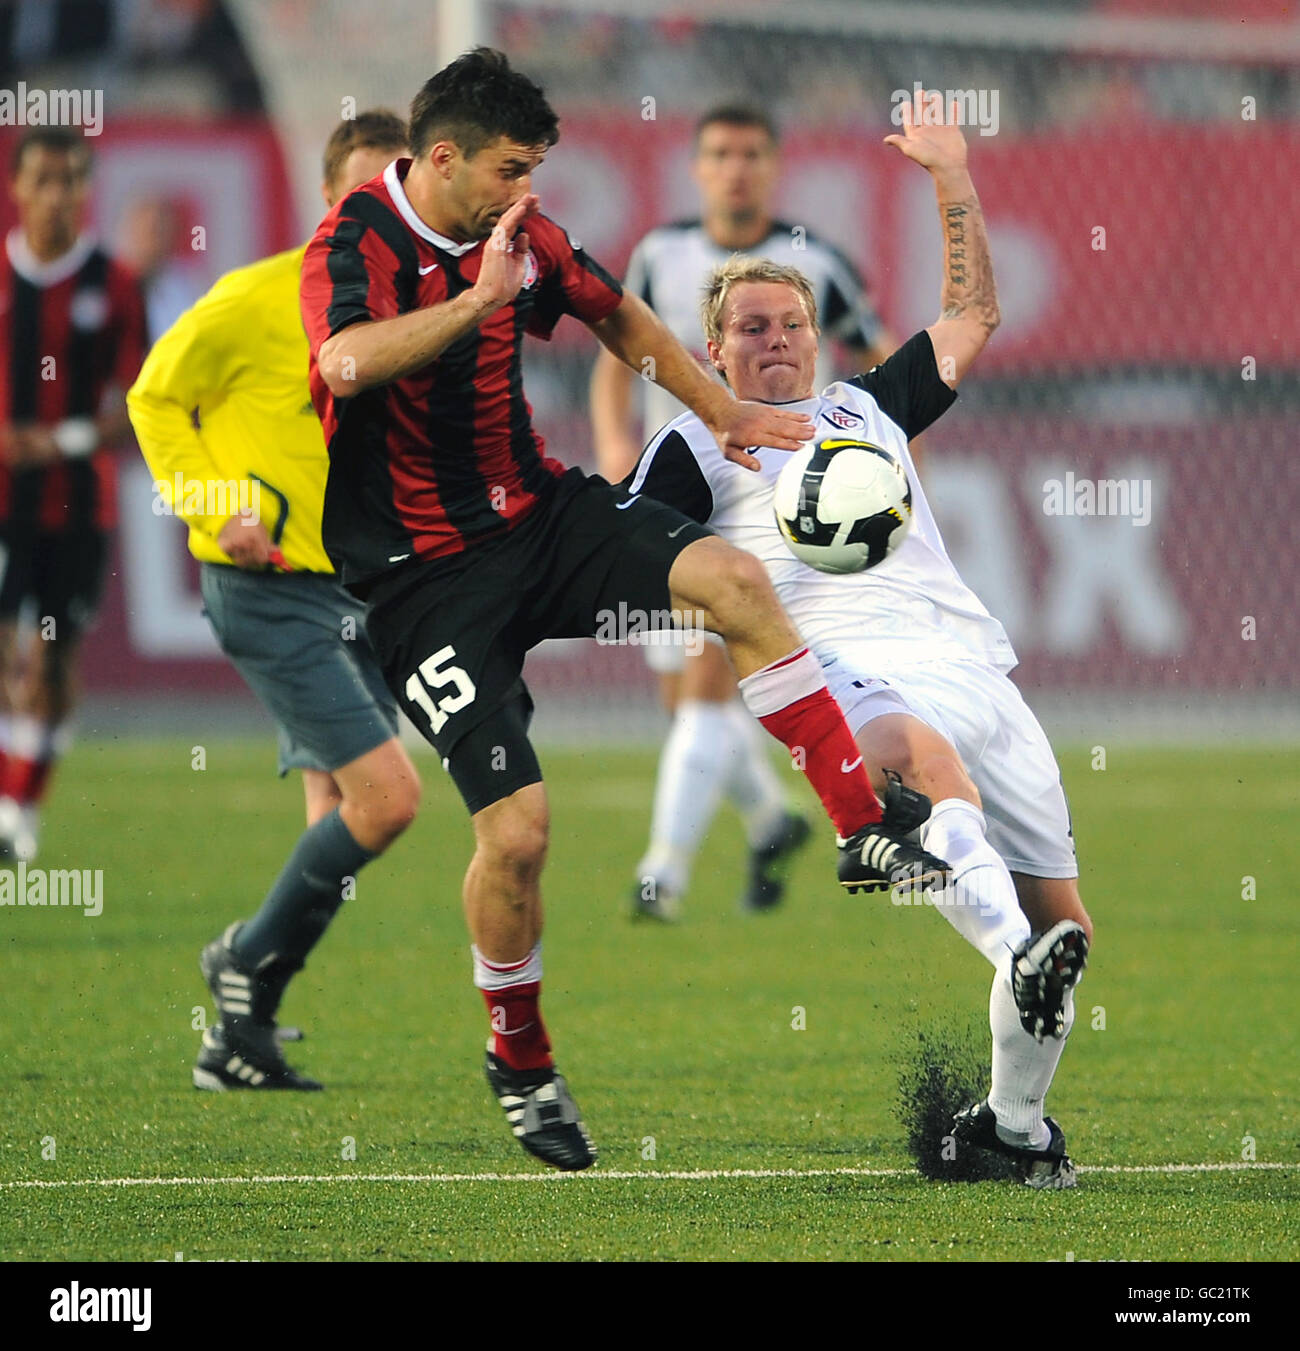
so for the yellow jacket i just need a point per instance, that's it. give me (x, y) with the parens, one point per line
(237, 360)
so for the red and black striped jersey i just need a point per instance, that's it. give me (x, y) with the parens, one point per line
(446, 457)
(68, 329)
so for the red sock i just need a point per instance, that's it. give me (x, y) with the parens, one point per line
(25, 780)
(512, 991)
(791, 700)
(519, 1034)
(34, 746)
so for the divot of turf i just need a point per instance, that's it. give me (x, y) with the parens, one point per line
(941, 1070)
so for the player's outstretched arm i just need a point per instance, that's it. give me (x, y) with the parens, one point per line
(969, 312)
(641, 340)
(380, 351)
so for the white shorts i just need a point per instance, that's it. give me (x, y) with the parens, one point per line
(1005, 751)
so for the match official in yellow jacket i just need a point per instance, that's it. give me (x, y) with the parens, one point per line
(222, 413)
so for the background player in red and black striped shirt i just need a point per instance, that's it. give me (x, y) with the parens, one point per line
(472, 545)
(72, 336)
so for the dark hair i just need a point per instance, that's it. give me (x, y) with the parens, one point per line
(478, 99)
(376, 129)
(62, 140)
(737, 115)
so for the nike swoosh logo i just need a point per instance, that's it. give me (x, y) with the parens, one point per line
(672, 534)
(424, 271)
(623, 506)
(846, 768)
(514, 1031)
(397, 558)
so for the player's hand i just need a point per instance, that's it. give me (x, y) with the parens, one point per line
(11, 448)
(243, 539)
(29, 446)
(937, 146)
(505, 255)
(744, 426)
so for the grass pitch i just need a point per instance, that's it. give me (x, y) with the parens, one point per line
(767, 1044)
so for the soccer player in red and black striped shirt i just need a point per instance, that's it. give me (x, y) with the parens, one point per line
(472, 545)
(72, 337)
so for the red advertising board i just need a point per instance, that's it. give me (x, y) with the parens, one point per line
(1195, 597)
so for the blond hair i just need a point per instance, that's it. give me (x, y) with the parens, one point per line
(740, 268)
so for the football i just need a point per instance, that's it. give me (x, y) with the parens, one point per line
(843, 505)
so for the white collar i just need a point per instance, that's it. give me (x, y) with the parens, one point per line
(30, 268)
(409, 214)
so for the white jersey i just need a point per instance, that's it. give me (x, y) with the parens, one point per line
(669, 267)
(913, 607)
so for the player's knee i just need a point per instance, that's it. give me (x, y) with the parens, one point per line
(51, 702)
(50, 681)
(396, 806)
(514, 841)
(740, 586)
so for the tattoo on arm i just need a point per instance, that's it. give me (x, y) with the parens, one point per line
(968, 288)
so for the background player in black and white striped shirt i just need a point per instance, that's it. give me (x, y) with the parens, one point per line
(714, 748)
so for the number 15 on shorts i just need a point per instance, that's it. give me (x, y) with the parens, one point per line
(432, 676)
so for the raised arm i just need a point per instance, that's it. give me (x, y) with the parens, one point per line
(634, 333)
(969, 305)
(383, 350)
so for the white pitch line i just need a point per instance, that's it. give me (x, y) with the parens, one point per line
(609, 1175)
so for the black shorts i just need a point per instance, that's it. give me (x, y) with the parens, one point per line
(451, 634)
(63, 574)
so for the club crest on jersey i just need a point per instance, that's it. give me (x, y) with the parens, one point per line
(842, 418)
(530, 270)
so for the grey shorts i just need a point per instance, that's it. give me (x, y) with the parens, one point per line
(299, 640)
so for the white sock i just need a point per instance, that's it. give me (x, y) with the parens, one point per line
(981, 902)
(982, 906)
(694, 767)
(1022, 1067)
(753, 787)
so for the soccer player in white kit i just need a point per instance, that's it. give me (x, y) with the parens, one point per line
(715, 749)
(909, 651)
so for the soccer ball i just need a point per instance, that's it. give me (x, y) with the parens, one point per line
(842, 505)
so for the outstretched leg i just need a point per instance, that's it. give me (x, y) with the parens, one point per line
(726, 590)
(986, 905)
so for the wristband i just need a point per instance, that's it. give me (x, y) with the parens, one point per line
(76, 438)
